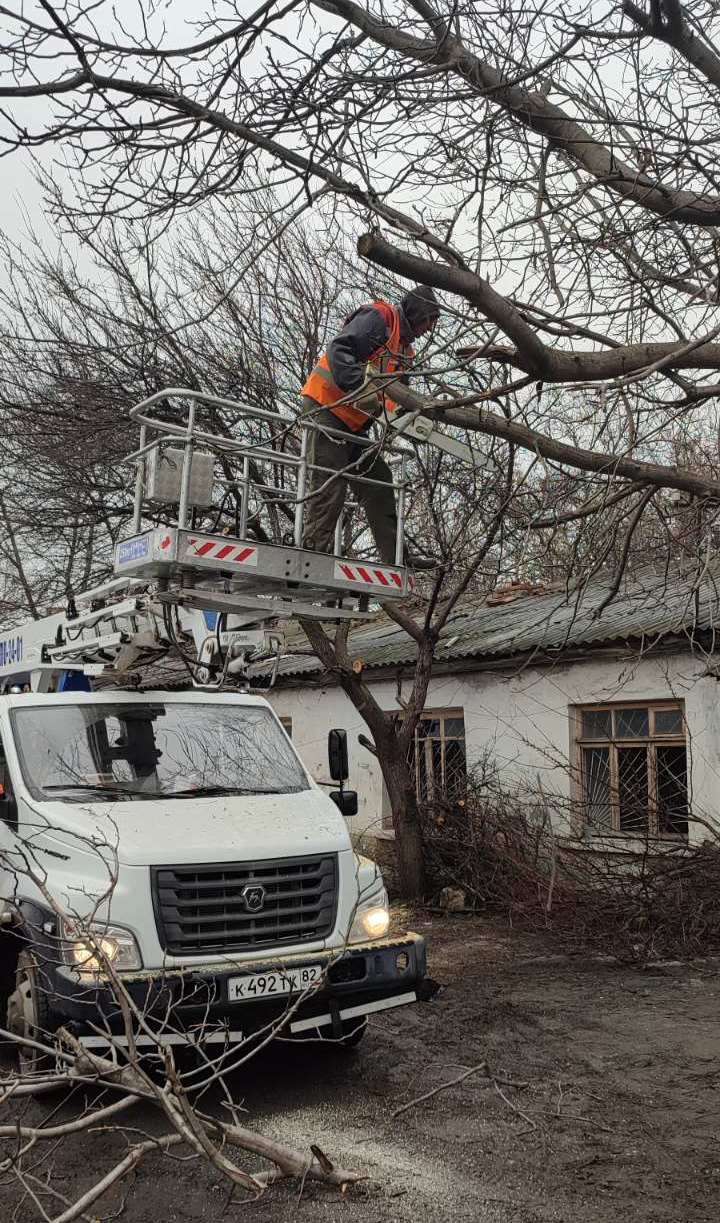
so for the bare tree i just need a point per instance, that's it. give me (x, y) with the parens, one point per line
(76, 361)
(543, 169)
(570, 219)
(81, 348)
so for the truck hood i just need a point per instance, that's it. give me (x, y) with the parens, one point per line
(167, 831)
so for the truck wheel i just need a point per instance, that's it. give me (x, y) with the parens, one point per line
(29, 1016)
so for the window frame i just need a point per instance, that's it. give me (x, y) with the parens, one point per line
(453, 711)
(653, 739)
(442, 716)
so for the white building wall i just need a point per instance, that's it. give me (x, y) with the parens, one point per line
(521, 716)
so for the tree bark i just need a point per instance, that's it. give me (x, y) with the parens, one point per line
(530, 354)
(407, 825)
(391, 756)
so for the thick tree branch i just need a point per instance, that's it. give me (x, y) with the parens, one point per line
(667, 25)
(584, 365)
(478, 420)
(44, 89)
(534, 110)
(531, 355)
(475, 289)
(351, 683)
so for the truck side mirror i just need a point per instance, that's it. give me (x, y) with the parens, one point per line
(338, 755)
(346, 801)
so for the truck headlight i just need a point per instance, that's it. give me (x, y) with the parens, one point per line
(91, 950)
(372, 919)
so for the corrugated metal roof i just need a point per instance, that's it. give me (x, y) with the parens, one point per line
(654, 605)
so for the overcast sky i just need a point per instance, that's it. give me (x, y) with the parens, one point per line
(20, 197)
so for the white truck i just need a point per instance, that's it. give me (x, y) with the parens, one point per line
(217, 876)
(170, 873)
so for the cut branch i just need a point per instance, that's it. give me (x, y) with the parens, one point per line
(475, 289)
(616, 465)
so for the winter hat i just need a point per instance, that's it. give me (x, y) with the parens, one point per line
(420, 304)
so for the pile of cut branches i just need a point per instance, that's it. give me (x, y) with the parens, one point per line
(639, 899)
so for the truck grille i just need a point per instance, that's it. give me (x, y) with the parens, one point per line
(213, 909)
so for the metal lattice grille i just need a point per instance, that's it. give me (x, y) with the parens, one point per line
(437, 760)
(633, 768)
(438, 757)
(211, 908)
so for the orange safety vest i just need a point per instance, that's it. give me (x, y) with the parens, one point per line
(392, 355)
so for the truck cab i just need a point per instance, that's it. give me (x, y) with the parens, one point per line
(170, 873)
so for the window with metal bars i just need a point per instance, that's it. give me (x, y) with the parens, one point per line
(437, 759)
(437, 756)
(633, 768)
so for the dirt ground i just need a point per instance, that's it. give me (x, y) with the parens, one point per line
(619, 1118)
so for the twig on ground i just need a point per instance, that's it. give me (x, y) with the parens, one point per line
(596, 1125)
(514, 1107)
(481, 1068)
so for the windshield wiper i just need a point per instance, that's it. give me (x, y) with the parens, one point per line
(215, 791)
(113, 790)
(117, 790)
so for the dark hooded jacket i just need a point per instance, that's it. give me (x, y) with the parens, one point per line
(365, 330)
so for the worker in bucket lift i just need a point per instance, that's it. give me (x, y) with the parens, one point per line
(375, 338)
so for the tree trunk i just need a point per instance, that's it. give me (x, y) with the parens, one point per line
(389, 747)
(406, 818)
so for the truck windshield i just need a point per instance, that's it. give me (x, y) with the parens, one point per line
(115, 752)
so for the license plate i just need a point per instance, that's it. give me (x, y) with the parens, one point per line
(273, 984)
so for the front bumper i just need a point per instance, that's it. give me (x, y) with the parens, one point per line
(192, 1006)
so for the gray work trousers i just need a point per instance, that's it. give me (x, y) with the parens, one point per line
(322, 512)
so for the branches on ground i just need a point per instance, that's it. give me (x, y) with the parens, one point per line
(137, 1030)
(636, 897)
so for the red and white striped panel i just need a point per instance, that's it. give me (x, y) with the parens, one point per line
(369, 575)
(227, 551)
